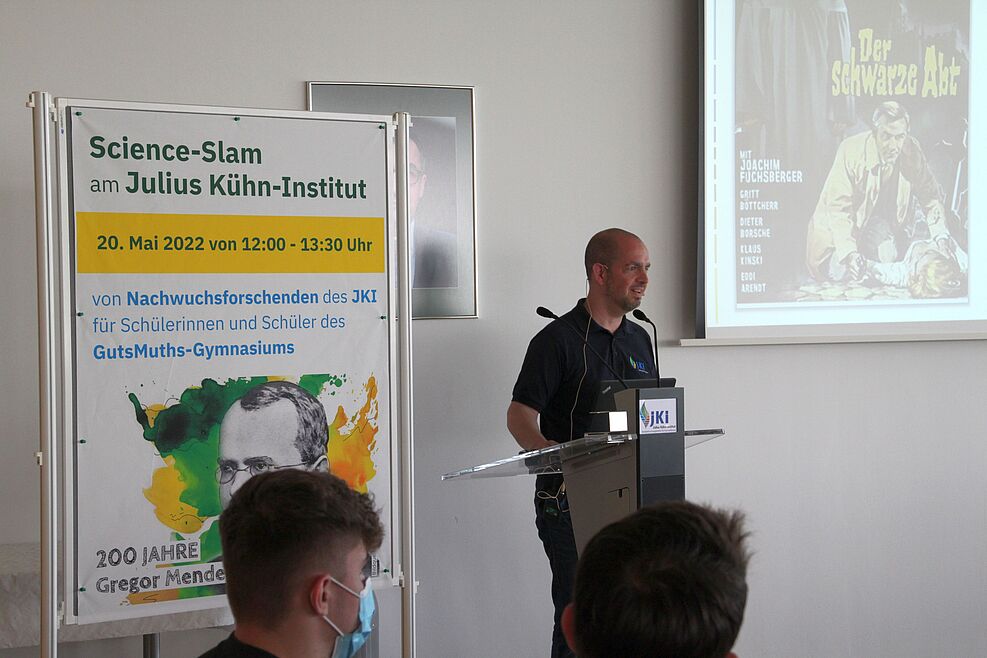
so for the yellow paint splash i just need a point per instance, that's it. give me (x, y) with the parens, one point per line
(152, 412)
(166, 488)
(352, 441)
(158, 596)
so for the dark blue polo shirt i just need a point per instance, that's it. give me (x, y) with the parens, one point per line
(554, 365)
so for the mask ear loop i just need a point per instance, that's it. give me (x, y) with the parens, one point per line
(359, 595)
(336, 628)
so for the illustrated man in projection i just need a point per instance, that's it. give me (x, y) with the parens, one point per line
(879, 197)
(274, 425)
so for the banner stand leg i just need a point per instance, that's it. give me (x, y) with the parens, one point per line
(152, 645)
(47, 456)
(409, 575)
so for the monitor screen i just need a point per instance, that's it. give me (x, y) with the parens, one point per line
(608, 387)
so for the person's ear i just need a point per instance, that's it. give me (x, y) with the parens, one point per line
(319, 594)
(598, 271)
(568, 623)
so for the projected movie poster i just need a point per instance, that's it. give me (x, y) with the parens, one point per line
(851, 133)
(230, 319)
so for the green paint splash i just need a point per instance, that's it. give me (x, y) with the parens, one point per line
(315, 384)
(189, 432)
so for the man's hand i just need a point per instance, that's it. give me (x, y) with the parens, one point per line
(856, 266)
(944, 244)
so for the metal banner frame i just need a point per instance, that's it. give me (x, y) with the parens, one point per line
(56, 351)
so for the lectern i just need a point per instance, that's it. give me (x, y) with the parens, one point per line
(609, 475)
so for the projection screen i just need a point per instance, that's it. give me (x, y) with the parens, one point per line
(840, 171)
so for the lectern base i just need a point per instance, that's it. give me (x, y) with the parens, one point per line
(601, 488)
(664, 487)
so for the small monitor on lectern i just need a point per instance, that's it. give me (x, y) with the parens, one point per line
(607, 388)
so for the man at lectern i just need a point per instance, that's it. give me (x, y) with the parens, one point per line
(296, 545)
(558, 383)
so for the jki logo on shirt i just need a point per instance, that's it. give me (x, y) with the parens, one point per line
(640, 366)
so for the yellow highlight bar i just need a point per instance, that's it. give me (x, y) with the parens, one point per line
(134, 243)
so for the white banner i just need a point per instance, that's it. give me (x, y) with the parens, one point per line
(231, 309)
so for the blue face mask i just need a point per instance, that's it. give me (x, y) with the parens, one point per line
(348, 644)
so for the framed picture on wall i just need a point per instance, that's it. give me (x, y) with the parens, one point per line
(442, 200)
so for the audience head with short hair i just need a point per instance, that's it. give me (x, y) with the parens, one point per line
(668, 580)
(294, 546)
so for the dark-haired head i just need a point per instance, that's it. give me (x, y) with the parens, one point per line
(668, 580)
(283, 526)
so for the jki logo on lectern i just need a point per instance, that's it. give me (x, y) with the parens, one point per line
(658, 416)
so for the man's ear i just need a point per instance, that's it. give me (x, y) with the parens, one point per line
(597, 272)
(568, 623)
(319, 594)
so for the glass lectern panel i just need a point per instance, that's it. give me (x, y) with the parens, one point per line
(549, 460)
(695, 437)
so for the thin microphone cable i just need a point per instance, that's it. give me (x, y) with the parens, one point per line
(579, 388)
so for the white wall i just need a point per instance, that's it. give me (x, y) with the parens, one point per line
(860, 466)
